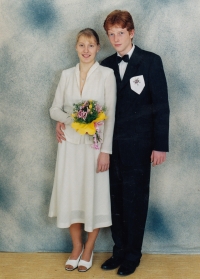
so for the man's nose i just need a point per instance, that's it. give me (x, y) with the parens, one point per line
(116, 38)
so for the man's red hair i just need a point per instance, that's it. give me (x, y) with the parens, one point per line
(119, 18)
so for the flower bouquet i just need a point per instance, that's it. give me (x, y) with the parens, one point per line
(88, 117)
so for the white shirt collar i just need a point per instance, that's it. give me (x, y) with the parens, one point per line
(130, 51)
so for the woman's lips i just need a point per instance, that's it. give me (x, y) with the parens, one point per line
(86, 55)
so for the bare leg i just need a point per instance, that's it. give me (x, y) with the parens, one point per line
(76, 235)
(89, 247)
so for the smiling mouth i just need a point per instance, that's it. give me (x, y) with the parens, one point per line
(86, 55)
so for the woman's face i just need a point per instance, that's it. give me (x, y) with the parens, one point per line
(87, 49)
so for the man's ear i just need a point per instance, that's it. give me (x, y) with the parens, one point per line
(132, 33)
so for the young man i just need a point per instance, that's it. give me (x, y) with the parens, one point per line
(140, 137)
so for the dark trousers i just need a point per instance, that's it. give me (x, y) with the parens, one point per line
(129, 190)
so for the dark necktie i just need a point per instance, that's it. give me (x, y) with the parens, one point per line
(125, 58)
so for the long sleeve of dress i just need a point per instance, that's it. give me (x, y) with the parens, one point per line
(57, 110)
(110, 103)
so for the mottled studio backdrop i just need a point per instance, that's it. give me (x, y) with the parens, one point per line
(37, 41)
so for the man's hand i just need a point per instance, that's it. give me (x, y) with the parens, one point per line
(59, 132)
(103, 162)
(157, 157)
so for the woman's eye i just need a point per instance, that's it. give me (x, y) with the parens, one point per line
(121, 33)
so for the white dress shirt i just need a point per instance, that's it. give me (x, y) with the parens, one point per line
(122, 65)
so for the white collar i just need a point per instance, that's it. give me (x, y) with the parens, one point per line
(129, 53)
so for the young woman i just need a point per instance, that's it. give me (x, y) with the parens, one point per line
(80, 196)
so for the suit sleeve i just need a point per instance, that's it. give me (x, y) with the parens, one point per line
(103, 63)
(56, 111)
(107, 62)
(110, 103)
(159, 92)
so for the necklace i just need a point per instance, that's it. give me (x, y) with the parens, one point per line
(83, 76)
(83, 79)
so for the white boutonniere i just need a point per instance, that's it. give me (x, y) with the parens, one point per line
(137, 84)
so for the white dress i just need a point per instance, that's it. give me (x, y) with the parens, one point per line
(80, 195)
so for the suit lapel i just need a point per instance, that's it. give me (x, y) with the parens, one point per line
(132, 67)
(116, 70)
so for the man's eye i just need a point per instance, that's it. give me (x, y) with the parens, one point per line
(121, 33)
(91, 45)
(111, 34)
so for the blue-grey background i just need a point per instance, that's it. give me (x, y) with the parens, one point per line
(37, 40)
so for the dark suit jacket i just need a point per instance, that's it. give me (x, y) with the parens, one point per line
(141, 120)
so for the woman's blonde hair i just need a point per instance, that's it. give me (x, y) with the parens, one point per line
(89, 33)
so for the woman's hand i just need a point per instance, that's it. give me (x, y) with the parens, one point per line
(103, 162)
(59, 132)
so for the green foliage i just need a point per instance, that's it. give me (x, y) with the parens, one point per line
(87, 111)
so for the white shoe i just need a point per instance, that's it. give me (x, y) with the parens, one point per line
(73, 263)
(85, 264)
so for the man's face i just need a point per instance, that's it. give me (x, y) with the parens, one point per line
(120, 39)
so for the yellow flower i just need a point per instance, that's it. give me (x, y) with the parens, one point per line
(90, 106)
(90, 127)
